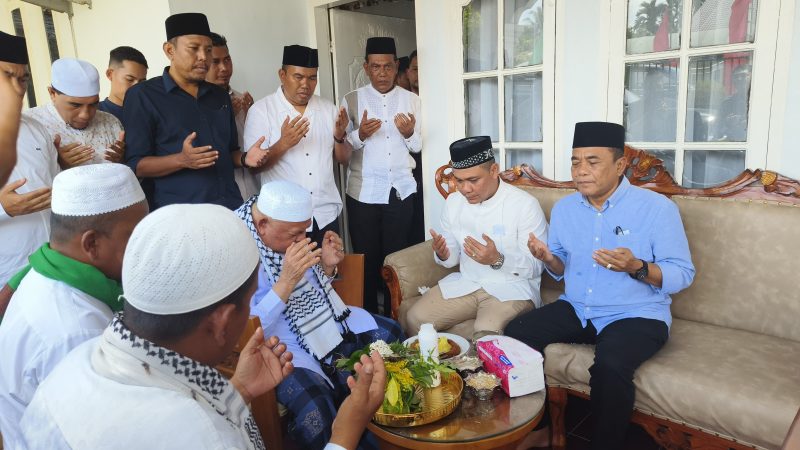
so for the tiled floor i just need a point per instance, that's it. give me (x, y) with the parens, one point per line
(578, 423)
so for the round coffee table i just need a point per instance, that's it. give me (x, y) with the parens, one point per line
(499, 423)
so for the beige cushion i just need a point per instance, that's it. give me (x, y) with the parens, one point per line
(745, 254)
(547, 197)
(739, 384)
(416, 268)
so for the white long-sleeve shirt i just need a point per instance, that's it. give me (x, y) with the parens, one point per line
(310, 162)
(100, 134)
(248, 182)
(45, 320)
(37, 162)
(507, 218)
(382, 161)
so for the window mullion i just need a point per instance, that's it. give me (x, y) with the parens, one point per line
(501, 116)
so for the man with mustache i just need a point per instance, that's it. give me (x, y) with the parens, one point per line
(484, 230)
(304, 133)
(181, 130)
(81, 133)
(384, 129)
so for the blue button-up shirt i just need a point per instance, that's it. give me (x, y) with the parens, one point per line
(111, 108)
(643, 221)
(158, 116)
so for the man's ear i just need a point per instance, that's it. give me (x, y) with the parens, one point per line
(89, 245)
(169, 50)
(622, 164)
(52, 93)
(261, 224)
(218, 321)
(109, 72)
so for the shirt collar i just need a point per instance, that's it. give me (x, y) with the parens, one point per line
(170, 84)
(391, 93)
(616, 197)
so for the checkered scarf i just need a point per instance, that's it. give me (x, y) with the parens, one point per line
(131, 359)
(312, 313)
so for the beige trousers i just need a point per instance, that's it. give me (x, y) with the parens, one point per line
(489, 313)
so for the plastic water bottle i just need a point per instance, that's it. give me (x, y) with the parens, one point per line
(429, 347)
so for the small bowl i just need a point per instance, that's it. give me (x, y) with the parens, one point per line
(482, 384)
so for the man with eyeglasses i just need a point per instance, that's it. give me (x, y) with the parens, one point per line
(384, 130)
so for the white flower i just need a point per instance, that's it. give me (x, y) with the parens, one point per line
(381, 347)
(423, 289)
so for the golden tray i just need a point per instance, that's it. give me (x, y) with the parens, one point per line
(437, 403)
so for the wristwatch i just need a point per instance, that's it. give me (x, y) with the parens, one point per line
(499, 263)
(642, 273)
(242, 160)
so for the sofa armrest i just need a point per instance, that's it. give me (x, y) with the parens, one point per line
(408, 269)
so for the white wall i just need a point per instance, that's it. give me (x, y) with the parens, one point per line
(111, 23)
(789, 161)
(581, 71)
(256, 31)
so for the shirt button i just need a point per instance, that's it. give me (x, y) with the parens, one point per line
(588, 309)
(309, 173)
(596, 238)
(594, 265)
(390, 154)
(599, 214)
(589, 291)
(306, 154)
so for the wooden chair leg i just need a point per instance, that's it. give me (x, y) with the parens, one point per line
(557, 402)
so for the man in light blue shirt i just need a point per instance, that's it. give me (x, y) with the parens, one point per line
(622, 251)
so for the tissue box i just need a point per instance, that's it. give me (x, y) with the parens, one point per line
(519, 367)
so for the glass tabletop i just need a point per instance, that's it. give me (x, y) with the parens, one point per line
(475, 420)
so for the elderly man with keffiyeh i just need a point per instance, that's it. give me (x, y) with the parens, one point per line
(296, 302)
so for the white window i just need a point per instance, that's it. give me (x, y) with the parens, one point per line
(508, 48)
(692, 80)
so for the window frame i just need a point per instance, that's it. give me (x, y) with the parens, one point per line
(546, 68)
(757, 146)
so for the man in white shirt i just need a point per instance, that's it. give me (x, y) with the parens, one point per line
(304, 133)
(25, 200)
(149, 380)
(485, 230)
(81, 133)
(384, 128)
(296, 303)
(220, 72)
(72, 286)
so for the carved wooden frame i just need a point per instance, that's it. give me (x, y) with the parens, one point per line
(647, 171)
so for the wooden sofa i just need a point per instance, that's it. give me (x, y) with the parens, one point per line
(729, 377)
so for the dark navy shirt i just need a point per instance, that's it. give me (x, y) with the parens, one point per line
(159, 115)
(111, 108)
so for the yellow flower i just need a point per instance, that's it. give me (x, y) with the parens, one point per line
(395, 367)
(405, 379)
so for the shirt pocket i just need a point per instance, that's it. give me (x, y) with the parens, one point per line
(637, 243)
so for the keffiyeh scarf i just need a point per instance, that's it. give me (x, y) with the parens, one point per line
(312, 313)
(130, 359)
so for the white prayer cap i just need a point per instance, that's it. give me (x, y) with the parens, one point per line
(75, 78)
(95, 189)
(284, 200)
(182, 258)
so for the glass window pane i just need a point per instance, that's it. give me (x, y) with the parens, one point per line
(668, 156)
(654, 25)
(704, 168)
(719, 22)
(718, 97)
(523, 107)
(481, 108)
(529, 156)
(523, 32)
(479, 22)
(650, 99)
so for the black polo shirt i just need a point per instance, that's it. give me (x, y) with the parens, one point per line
(111, 108)
(157, 117)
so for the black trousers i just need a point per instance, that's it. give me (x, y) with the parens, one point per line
(376, 231)
(620, 349)
(316, 234)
